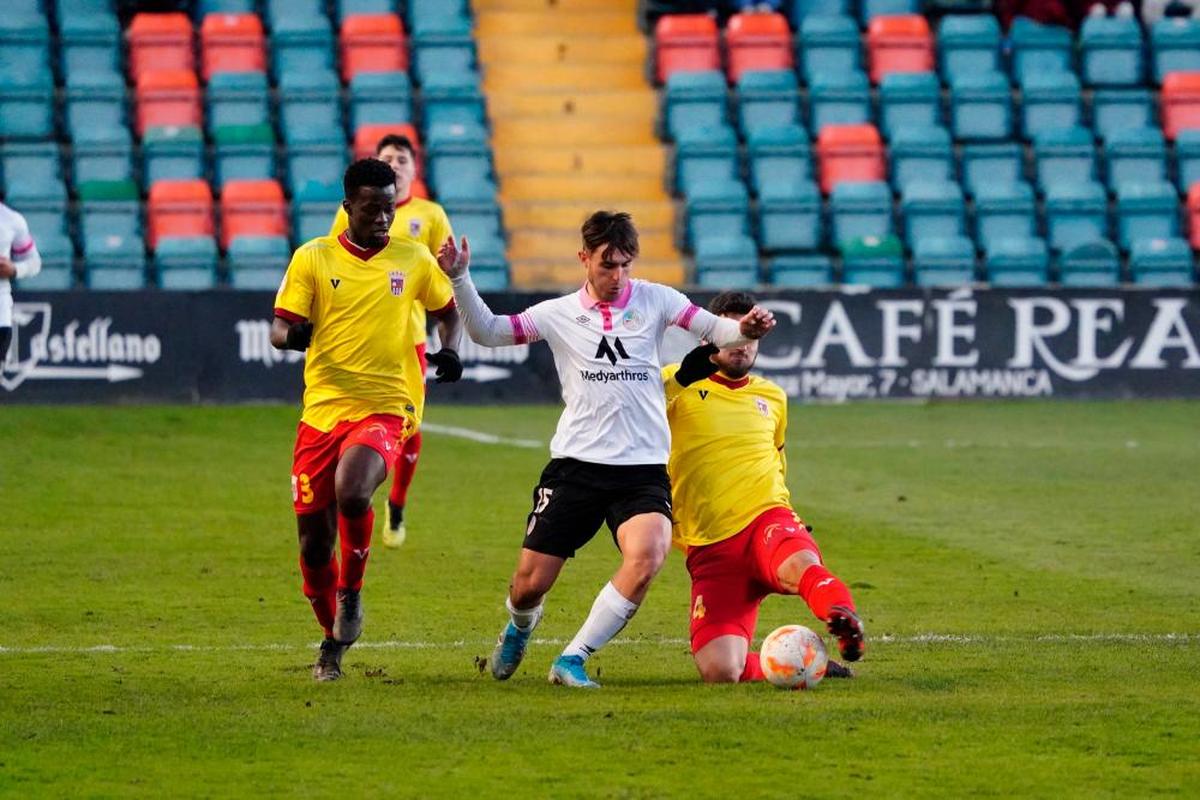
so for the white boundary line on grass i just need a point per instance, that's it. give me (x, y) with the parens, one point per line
(480, 436)
(459, 644)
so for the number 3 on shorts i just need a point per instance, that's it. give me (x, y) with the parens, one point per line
(301, 488)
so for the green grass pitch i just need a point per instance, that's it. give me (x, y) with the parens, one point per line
(1028, 574)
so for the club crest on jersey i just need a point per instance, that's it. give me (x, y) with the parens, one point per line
(632, 320)
(397, 281)
(761, 405)
(414, 228)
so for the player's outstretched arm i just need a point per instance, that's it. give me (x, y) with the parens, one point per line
(726, 332)
(482, 325)
(446, 361)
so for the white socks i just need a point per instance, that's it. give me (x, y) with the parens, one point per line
(525, 619)
(609, 614)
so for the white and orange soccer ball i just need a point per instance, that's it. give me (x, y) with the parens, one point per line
(793, 657)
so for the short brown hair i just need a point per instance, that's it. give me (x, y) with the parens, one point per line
(397, 141)
(612, 230)
(731, 303)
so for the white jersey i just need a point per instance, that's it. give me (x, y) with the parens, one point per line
(18, 247)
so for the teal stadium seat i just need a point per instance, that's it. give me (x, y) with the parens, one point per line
(94, 112)
(1004, 210)
(300, 42)
(115, 262)
(1111, 51)
(694, 100)
(1119, 109)
(449, 104)
(462, 177)
(1162, 262)
(24, 49)
(1064, 154)
(26, 109)
(932, 209)
(186, 262)
(109, 208)
(727, 262)
(943, 261)
(422, 14)
(346, 8)
(462, 135)
(238, 98)
(981, 107)
(870, 9)
(33, 174)
(778, 155)
(1187, 159)
(789, 218)
(723, 211)
(172, 153)
(258, 262)
(1175, 43)
(378, 98)
(444, 44)
(1136, 155)
(312, 218)
(1050, 101)
(984, 164)
(110, 160)
(1018, 262)
(839, 98)
(91, 45)
(57, 273)
(860, 210)
(829, 45)
(1039, 48)
(804, 10)
(1090, 263)
(310, 109)
(243, 152)
(812, 269)
(706, 157)
(909, 100)
(1146, 210)
(1076, 213)
(968, 44)
(921, 153)
(767, 99)
(225, 7)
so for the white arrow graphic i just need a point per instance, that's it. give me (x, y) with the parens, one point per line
(113, 373)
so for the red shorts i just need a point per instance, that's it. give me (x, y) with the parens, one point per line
(315, 461)
(731, 577)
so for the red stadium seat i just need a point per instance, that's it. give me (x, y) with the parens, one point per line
(367, 136)
(686, 43)
(899, 44)
(168, 98)
(372, 43)
(1180, 102)
(419, 189)
(179, 208)
(850, 153)
(231, 43)
(758, 41)
(160, 42)
(1193, 204)
(252, 208)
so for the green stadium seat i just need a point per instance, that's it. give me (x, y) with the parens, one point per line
(876, 261)
(243, 152)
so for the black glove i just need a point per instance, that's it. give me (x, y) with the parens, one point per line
(299, 336)
(449, 367)
(697, 365)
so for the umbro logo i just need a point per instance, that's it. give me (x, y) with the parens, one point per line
(611, 351)
(703, 393)
(335, 281)
(583, 319)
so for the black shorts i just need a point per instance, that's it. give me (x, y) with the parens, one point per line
(574, 497)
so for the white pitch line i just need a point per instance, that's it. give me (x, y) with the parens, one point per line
(461, 644)
(480, 436)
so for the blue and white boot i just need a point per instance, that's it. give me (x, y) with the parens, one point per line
(510, 649)
(569, 671)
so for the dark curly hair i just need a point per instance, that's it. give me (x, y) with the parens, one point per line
(367, 172)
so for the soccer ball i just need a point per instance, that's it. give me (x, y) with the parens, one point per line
(793, 657)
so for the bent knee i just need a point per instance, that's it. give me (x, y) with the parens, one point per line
(353, 504)
(719, 673)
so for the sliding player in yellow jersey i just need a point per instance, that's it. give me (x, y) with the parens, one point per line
(733, 513)
(426, 222)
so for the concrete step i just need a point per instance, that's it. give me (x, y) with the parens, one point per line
(640, 105)
(569, 215)
(554, 20)
(601, 190)
(562, 77)
(632, 159)
(602, 131)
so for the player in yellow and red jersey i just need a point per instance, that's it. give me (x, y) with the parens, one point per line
(733, 513)
(348, 300)
(425, 221)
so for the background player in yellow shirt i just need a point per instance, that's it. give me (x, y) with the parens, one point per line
(425, 221)
(348, 300)
(733, 513)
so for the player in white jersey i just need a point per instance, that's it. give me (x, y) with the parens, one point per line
(609, 454)
(18, 259)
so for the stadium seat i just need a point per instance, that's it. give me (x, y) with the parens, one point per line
(238, 98)
(790, 221)
(899, 44)
(1039, 48)
(57, 273)
(932, 209)
(860, 209)
(1050, 100)
(372, 43)
(166, 98)
(252, 208)
(757, 41)
(694, 100)
(1180, 102)
(1004, 211)
(231, 43)
(115, 261)
(444, 105)
(368, 136)
(1161, 262)
(462, 177)
(24, 49)
(243, 152)
(708, 158)
(981, 107)
(33, 174)
(380, 97)
(47, 220)
(876, 261)
(444, 47)
(27, 111)
(829, 45)
(943, 261)
(968, 44)
(1093, 262)
(1076, 212)
(921, 153)
(422, 13)
(311, 219)
(767, 99)
(1175, 43)
(1111, 51)
(347, 8)
(779, 158)
(109, 207)
(727, 262)
(849, 153)
(186, 262)
(301, 44)
(1187, 159)
(206, 7)
(1193, 214)
(315, 171)
(179, 208)
(1117, 109)
(811, 269)
(868, 10)
(1064, 154)
(1146, 210)
(722, 212)
(110, 160)
(686, 43)
(1136, 155)
(842, 98)
(94, 113)
(310, 109)
(804, 10)
(991, 163)
(160, 43)
(909, 100)
(172, 154)
(1017, 262)
(258, 262)
(91, 45)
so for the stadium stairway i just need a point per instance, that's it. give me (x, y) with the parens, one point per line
(573, 117)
